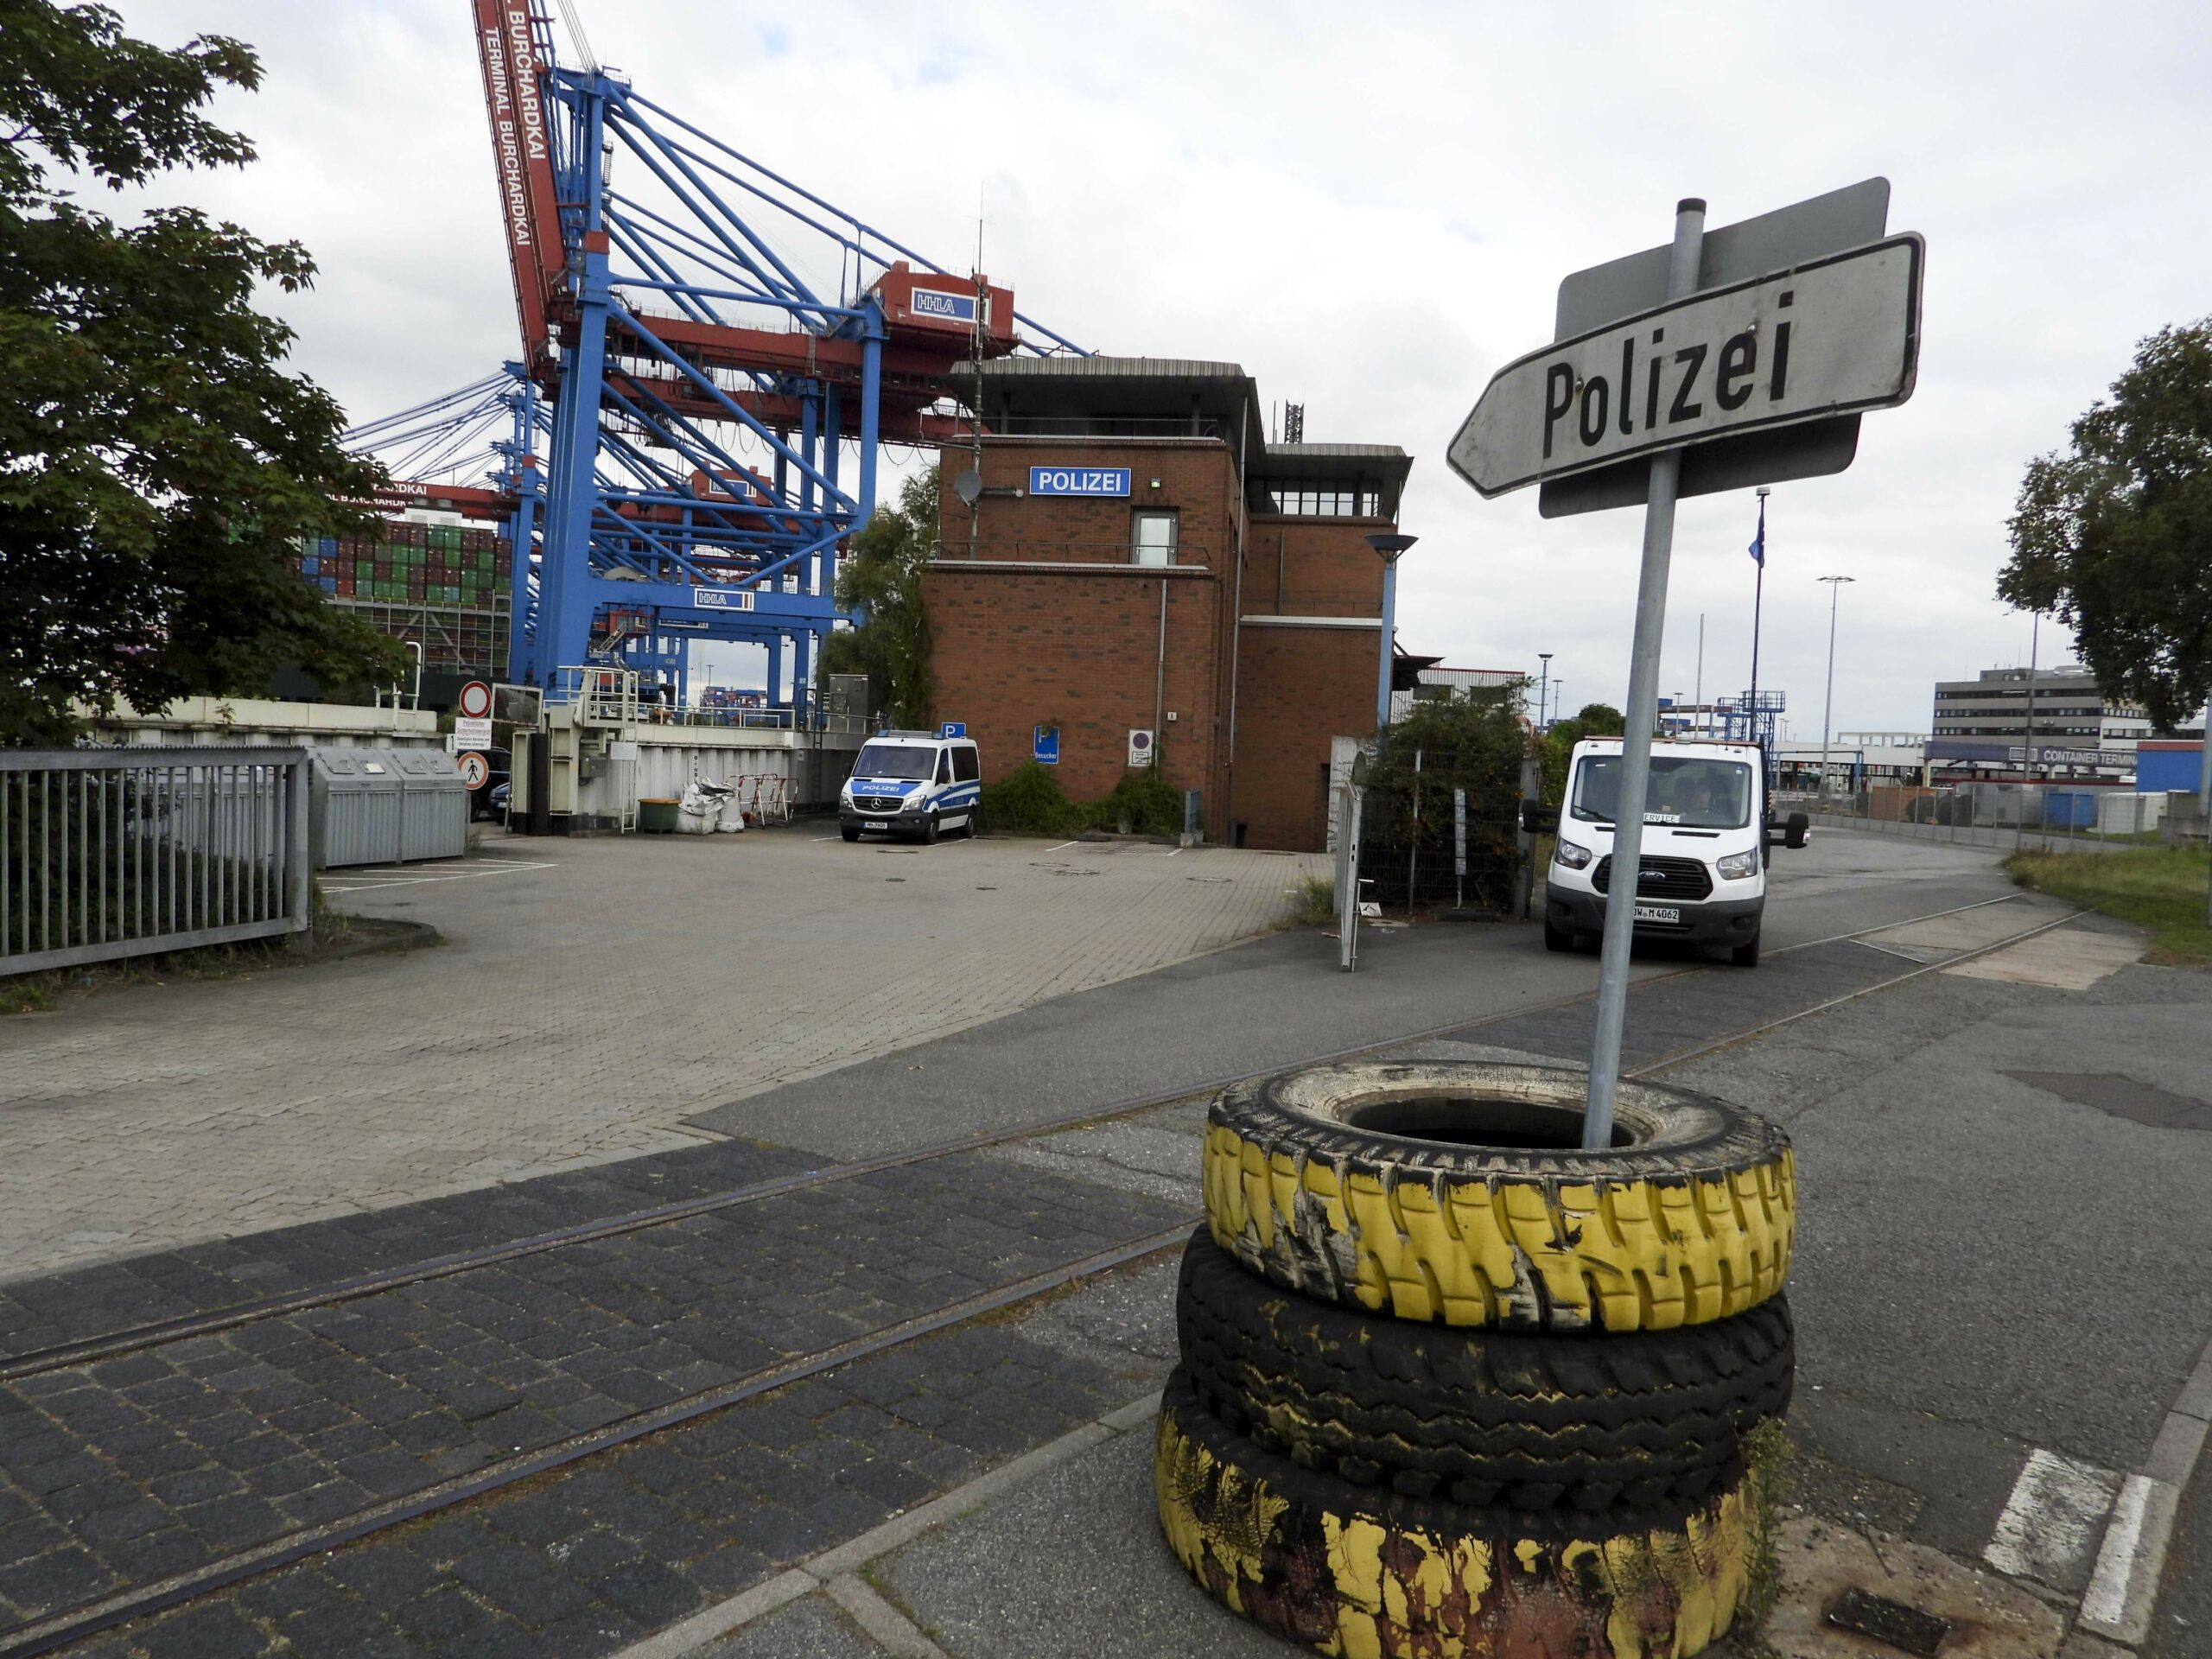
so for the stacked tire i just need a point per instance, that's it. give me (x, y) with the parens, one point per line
(1450, 1386)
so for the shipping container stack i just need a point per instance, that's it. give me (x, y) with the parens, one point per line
(443, 586)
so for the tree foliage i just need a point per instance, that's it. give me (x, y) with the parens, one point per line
(2116, 536)
(156, 460)
(881, 577)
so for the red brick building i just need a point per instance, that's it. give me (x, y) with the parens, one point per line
(1140, 559)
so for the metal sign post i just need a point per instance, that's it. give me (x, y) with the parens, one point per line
(1642, 714)
(1713, 362)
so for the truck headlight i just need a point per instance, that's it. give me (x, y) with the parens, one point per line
(1567, 853)
(1734, 866)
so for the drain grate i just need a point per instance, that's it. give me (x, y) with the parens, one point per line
(2122, 1097)
(1906, 1628)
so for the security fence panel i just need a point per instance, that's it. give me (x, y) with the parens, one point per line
(118, 853)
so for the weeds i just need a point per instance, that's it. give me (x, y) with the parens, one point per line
(2161, 888)
(1312, 901)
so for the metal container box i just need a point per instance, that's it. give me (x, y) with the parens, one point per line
(433, 804)
(386, 806)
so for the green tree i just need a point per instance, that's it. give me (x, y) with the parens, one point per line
(156, 461)
(1595, 720)
(881, 578)
(2116, 536)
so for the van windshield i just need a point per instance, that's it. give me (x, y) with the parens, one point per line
(915, 761)
(1694, 791)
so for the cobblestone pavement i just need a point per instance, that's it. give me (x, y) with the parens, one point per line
(117, 1473)
(592, 994)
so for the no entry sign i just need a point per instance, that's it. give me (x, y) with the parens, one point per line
(474, 701)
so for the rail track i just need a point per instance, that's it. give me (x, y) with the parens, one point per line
(55, 1631)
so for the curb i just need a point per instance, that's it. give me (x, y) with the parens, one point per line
(2124, 1585)
(837, 1569)
(415, 936)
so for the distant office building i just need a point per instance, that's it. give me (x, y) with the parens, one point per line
(2069, 710)
(1435, 682)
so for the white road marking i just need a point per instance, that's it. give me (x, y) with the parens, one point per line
(412, 878)
(2123, 1589)
(2049, 1526)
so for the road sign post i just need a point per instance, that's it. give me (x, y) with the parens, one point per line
(1714, 362)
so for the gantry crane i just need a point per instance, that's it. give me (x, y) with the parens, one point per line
(695, 382)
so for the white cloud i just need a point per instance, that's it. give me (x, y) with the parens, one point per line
(1370, 208)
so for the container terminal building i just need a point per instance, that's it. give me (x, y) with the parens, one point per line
(1140, 560)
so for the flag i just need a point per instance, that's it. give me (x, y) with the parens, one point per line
(1758, 541)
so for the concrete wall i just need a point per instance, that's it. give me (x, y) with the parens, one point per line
(267, 723)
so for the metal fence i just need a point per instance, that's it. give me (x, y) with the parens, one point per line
(125, 852)
(1423, 850)
(2003, 817)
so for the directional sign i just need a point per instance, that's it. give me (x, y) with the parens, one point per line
(1827, 338)
(474, 769)
(474, 701)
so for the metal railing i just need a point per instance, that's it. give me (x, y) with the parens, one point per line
(115, 852)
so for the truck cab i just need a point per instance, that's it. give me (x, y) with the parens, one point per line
(1708, 832)
(918, 783)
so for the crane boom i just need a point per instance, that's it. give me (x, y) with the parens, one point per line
(522, 149)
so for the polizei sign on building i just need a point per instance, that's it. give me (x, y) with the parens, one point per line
(1830, 337)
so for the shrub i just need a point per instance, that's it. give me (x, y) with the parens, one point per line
(1029, 801)
(1142, 804)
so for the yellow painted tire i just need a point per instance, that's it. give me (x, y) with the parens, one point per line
(1455, 1192)
(1369, 1575)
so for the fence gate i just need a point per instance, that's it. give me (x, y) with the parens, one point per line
(125, 852)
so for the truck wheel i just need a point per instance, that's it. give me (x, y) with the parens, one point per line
(1528, 1419)
(930, 832)
(1557, 938)
(1746, 955)
(851, 832)
(1456, 1192)
(1352, 1569)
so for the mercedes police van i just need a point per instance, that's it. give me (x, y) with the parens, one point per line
(1707, 831)
(912, 783)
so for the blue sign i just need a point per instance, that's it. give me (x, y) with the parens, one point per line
(722, 599)
(951, 307)
(1079, 480)
(953, 729)
(1045, 745)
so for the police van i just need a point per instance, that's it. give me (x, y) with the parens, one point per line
(919, 783)
(1708, 829)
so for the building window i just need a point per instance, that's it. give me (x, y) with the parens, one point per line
(1152, 538)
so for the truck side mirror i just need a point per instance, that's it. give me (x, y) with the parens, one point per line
(1797, 829)
(1536, 817)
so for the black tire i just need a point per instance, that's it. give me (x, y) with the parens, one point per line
(851, 832)
(1557, 938)
(1351, 1569)
(967, 826)
(1530, 1420)
(1746, 955)
(930, 832)
(1455, 1192)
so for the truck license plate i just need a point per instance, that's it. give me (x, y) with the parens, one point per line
(1667, 914)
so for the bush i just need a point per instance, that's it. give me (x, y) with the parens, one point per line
(1029, 801)
(1142, 804)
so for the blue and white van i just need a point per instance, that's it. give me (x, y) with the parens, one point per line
(914, 784)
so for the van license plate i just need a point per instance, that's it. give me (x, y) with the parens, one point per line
(1666, 913)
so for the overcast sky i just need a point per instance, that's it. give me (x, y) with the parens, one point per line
(1371, 208)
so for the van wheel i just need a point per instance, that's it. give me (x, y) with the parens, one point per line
(1557, 938)
(1747, 954)
(929, 832)
(851, 832)
(967, 826)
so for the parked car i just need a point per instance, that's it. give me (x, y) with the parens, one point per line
(911, 783)
(490, 799)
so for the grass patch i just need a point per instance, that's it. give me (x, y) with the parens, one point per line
(1312, 901)
(1767, 1486)
(2161, 888)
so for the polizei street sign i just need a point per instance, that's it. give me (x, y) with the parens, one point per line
(1829, 337)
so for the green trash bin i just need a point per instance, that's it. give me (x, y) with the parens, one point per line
(656, 818)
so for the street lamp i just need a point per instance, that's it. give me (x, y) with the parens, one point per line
(1390, 544)
(1543, 686)
(1836, 587)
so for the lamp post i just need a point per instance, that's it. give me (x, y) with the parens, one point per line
(1390, 544)
(1836, 587)
(1543, 686)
